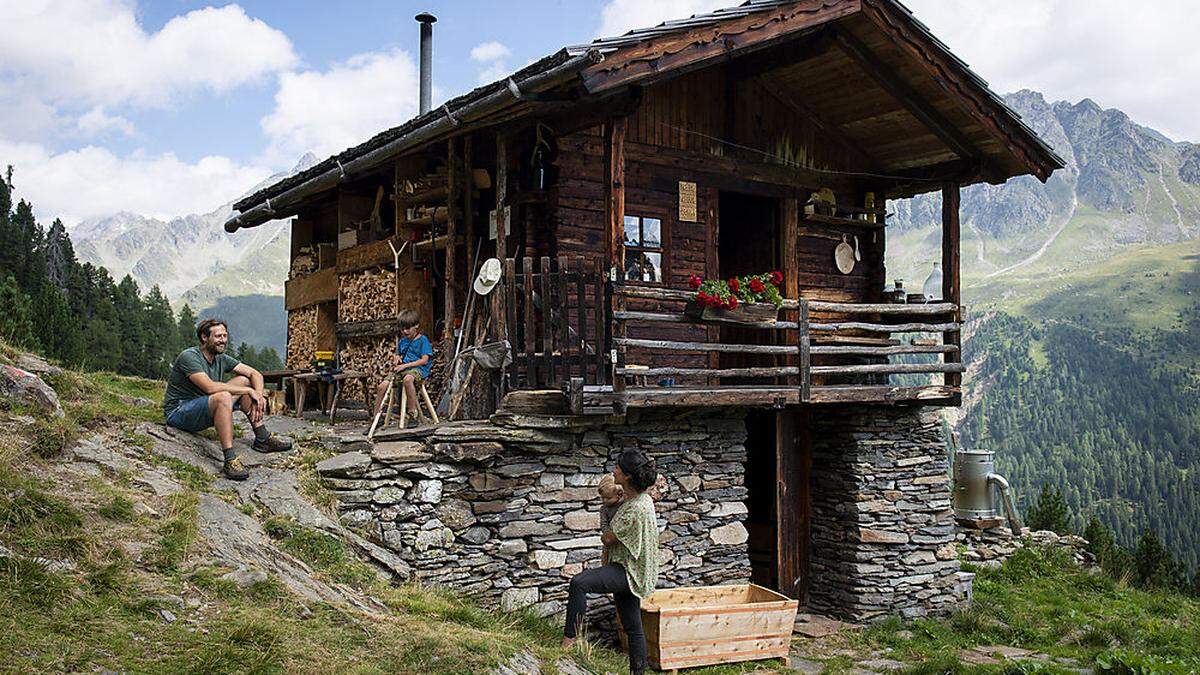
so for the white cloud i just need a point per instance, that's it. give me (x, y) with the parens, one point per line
(1141, 61)
(326, 112)
(96, 122)
(94, 52)
(490, 51)
(621, 16)
(92, 182)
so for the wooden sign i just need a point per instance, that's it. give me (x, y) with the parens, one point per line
(687, 202)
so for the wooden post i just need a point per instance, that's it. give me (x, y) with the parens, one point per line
(793, 499)
(453, 201)
(502, 213)
(951, 283)
(468, 215)
(789, 254)
(614, 162)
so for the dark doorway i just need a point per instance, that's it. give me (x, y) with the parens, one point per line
(761, 520)
(748, 243)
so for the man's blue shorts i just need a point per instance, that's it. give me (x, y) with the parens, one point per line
(193, 415)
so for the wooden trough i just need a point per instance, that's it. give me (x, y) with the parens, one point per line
(706, 625)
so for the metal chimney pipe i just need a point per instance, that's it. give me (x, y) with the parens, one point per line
(426, 20)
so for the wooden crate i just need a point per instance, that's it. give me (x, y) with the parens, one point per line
(706, 625)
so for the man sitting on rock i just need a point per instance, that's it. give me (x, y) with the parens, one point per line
(198, 397)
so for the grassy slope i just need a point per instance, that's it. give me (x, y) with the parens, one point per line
(106, 611)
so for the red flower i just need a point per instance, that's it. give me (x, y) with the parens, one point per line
(776, 278)
(732, 304)
(757, 286)
(702, 297)
(714, 301)
(734, 285)
(694, 281)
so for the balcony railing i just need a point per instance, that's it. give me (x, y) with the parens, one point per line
(610, 345)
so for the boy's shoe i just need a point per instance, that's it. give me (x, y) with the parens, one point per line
(414, 422)
(235, 470)
(272, 444)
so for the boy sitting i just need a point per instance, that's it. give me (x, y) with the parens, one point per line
(611, 496)
(412, 358)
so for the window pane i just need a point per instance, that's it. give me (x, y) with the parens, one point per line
(651, 233)
(651, 267)
(633, 266)
(632, 237)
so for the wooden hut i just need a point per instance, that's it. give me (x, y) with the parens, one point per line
(606, 175)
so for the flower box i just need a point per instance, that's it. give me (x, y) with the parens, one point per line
(748, 314)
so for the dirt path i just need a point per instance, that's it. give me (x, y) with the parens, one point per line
(1044, 247)
(1174, 203)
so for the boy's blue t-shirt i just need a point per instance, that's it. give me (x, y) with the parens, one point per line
(411, 350)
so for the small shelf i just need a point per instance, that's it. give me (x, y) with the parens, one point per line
(838, 220)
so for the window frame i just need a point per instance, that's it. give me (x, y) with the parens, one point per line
(663, 235)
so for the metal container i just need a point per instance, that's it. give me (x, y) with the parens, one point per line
(972, 487)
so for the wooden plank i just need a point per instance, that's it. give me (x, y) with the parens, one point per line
(581, 321)
(670, 317)
(883, 351)
(804, 443)
(804, 343)
(563, 327)
(705, 347)
(653, 293)
(502, 212)
(364, 256)
(885, 328)
(930, 394)
(468, 217)
(359, 329)
(764, 371)
(882, 308)
(547, 334)
(310, 289)
(890, 368)
(892, 82)
(951, 281)
(510, 291)
(531, 365)
(710, 396)
(601, 311)
(614, 218)
(787, 507)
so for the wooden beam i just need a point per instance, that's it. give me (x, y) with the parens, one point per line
(789, 492)
(709, 396)
(883, 351)
(375, 328)
(684, 318)
(766, 371)
(771, 86)
(503, 217)
(882, 308)
(930, 395)
(614, 219)
(453, 202)
(891, 81)
(302, 291)
(889, 368)
(885, 327)
(706, 347)
(951, 281)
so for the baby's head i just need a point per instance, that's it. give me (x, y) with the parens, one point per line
(610, 492)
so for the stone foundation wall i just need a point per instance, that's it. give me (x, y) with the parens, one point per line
(992, 546)
(508, 510)
(882, 526)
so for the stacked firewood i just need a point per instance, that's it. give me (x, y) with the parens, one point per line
(372, 356)
(302, 337)
(367, 295)
(304, 263)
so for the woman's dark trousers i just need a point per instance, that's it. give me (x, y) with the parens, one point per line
(609, 579)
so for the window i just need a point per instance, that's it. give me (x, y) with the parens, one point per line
(643, 249)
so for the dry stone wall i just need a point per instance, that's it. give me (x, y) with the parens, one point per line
(882, 525)
(507, 510)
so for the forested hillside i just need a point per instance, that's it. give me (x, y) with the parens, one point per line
(77, 313)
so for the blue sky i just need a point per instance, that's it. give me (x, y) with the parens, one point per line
(172, 107)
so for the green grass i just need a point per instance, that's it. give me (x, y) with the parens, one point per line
(190, 476)
(176, 533)
(1039, 601)
(325, 553)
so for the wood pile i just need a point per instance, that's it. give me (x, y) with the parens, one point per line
(372, 356)
(304, 263)
(301, 337)
(367, 295)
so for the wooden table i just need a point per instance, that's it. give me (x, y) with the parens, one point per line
(328, 396)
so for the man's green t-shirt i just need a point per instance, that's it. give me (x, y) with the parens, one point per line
(190, 360)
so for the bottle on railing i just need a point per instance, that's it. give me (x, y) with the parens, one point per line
(932, 290)
(898, 292)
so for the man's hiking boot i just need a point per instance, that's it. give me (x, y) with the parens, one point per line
(272, 444)
(235, 470)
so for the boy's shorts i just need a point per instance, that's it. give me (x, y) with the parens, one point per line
(415, 372)
(193, 415)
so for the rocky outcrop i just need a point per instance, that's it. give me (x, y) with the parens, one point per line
(508, 509)
(992, 546)
(27, 388)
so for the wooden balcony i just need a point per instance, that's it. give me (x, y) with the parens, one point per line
(609, 346)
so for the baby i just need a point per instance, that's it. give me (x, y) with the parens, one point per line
(611, 495)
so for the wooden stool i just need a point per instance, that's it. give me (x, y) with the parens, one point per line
(328, 396)
(422, 392)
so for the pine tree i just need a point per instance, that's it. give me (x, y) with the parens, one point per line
(160, 332)
(186, 328)
(131, 329)
(1155, 566)
(1050, 512)
(15, 327)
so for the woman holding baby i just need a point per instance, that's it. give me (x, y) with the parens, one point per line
(631, 542)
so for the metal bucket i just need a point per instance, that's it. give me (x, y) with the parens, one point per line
(972, 489)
